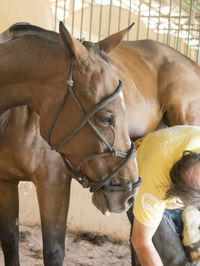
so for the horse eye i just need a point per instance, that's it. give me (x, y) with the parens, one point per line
(104, 120)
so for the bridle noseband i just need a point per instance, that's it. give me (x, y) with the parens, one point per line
(84, 180)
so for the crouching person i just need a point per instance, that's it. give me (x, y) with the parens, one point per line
(169, 164)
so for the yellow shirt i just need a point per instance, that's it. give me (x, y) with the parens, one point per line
(155, 156)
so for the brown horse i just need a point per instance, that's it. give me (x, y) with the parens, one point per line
(36, 68)
(156, 83)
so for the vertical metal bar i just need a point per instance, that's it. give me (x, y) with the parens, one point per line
(169, 22)
(185, 47)
(91, 16)
(110, 14)
(197, 57)
(179, 25)
(164, 38)
(100, 20)
(138, 22)
(158, 26)
(189, 29)
(82, 13)
(174, 41)
(64, 11)
(129, 17)
(149, 19)
(120, 10)
(180, 43)
(73, 1)
(56, 7)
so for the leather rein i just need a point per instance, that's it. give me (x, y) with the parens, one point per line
(77, 175)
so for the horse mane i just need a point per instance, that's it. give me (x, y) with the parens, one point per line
(4, 120)
(22, 28)
(27, 28)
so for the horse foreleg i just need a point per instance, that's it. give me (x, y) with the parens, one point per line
(169, 246)
(53, 203)
(9, 230)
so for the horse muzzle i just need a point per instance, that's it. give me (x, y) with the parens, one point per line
(118, 201)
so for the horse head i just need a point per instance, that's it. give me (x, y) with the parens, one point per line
(95, 146)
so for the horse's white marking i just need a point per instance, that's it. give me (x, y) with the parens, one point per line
(122, 101)
(124, 108)
(191, 232)
(28, 190)
(191, 220)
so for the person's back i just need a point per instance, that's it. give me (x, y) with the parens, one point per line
(156, 154)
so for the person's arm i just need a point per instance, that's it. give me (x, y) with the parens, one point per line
(142, 242)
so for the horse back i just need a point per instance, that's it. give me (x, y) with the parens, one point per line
(158, 81)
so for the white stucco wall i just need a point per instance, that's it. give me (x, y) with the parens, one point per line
(37, 12)
(83, 215)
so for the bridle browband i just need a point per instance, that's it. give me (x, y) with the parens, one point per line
(82, 179)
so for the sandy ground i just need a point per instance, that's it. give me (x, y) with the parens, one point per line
(84, 249)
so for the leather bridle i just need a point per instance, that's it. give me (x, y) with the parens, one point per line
(77, 175)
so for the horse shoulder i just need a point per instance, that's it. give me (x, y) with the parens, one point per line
(140, 94)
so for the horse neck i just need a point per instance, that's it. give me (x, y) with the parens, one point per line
(29, 69)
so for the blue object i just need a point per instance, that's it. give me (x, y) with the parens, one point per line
(173, 218)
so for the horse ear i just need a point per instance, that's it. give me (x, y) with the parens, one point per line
(76, 49)
(113, 40)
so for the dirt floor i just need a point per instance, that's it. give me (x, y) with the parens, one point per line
(85, 249)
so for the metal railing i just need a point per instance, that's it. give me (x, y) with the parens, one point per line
(174, 22)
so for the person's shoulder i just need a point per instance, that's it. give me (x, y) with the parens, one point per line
(179, 129)
(172, 135)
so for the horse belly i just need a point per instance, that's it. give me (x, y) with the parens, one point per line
(19, 144)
